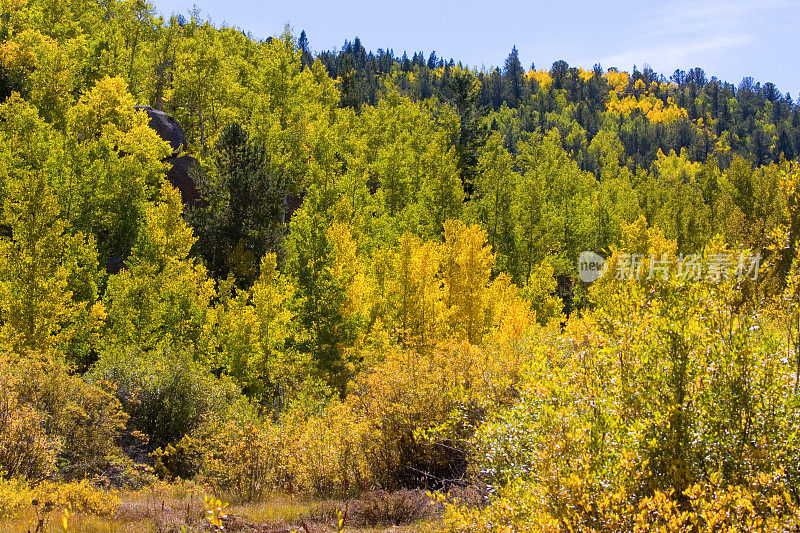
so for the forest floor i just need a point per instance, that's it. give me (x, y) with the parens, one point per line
(175, 510)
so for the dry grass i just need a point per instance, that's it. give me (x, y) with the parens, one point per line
(85, 524)
(164, 508)
(277, 510)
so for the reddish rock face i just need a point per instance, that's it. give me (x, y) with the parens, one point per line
(180, 176)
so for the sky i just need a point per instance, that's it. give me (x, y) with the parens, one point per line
(729, 39)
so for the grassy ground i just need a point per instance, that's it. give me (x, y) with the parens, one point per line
(162, 509)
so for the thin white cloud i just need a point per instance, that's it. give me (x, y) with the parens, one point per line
(682, 33)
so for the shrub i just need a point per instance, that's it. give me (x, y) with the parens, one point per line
(15, 495)
(82, 417)
(25, 450)
(404, 424)
(419, 409)
(385, 508)
(240, 461)
(763, 504)
(327, 454)
(167, 394)
(80, 497)
(671, 405)
(48, 415)
(243, 462)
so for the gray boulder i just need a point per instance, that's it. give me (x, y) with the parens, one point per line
(167, 128)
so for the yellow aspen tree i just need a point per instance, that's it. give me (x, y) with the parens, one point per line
(468, 263)
(418, 290)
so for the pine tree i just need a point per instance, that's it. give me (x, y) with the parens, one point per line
(514, 79)
(496, 188)
(306, 59)
(246, 217)
(466, 91)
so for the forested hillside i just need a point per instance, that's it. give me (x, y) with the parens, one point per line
(373, 282)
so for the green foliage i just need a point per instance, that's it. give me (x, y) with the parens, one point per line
(540, 291)
(166, 393)
(164, 295)
(321, 306)
(113, 167)
(495, 189)
(254, 334)
(247, 207)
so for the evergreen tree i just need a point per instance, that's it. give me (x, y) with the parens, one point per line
(306, 58)
(514, 78)
(245, 220)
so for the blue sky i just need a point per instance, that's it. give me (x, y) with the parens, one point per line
(727, 38)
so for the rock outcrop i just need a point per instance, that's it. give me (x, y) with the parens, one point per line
(184, 166)
(167, 128)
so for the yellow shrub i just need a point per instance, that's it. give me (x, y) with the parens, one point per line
(25, 449)
(46, 413)
(420, 407)
(402, 423)
(15, 495)
(328, 456)
(763, 505)
(243, 461)
(81, 497)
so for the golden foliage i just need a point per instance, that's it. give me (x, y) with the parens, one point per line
(15, 495)
(650, 105)
(79, 496)
(541, 77)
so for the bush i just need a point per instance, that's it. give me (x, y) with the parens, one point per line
(327, 452)
(420, 409)
(25, 450)
(242, 462)
(379, 508)
(763, 505)
(248, 462)
(15, 495)
(404, 424)
(80, 497)
(167, 394)
(385, 508)
(48, 416)
(85, 419)
(669, 405)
